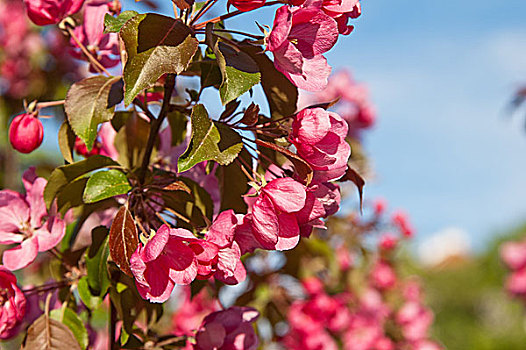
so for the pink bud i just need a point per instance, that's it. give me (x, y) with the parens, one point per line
(26, 133)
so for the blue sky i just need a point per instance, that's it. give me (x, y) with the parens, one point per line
(441, 75)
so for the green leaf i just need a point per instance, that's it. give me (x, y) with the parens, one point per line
(114, 24)
(74, 323)
(282, 95)
(71, 195)
(155, 45)
(90, 102)
(96, 261)
(177, 122)
(66, 141)
(240, 72)
(49, 334)
(66, 174)
(208, 143)
(233, 185)
(91, 301)
(106, 184)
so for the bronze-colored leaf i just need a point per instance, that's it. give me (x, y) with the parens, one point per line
(352, 175)
(184, 4)
(302, 168)
(177, 186)
(49, 334)
(123, 239)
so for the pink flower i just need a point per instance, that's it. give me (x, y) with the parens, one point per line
(219, 255)
(274, 212)
(230, 329)
(514, 254)
(165, 260)
(105, 47)
(44, 12)
(415, 320)
(247, 5)
(22, 221)
(401, 220)
(13, 304)
(516, 283)
(26, 133)
(379, 206)
(298, 40)
(383, 276)
(319, 137)
(387, 242)
(192, 311)
(354, 104)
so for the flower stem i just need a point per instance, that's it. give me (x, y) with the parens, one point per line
(86, 52)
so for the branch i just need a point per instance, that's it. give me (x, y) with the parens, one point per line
(155, 125)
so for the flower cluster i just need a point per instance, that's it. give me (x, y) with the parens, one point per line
(12, 304)
(176, 256)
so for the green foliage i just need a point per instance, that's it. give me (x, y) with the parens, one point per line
(90, 102)
(209, 142)
(155, 45)
(114, 24)
(240, 73)
(67, 183)
(66, 141)
(105, 184)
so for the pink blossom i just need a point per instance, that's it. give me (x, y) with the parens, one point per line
(13, 304)
(516, 282)
(387, 242)
(247, 5)
(105, 47)
(219, 255)
(354, 104)
(319, 137)
(415, 320)
(514, 254)
(44, 12)
(401, 220)
(273, 214)
(230, 329)
(165, 260)
(298, 40)
(192, 310)
(383, 276)
(26, 133)
(22, 222)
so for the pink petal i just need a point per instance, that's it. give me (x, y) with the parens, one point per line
(14, 211)
(223, 228)
(50, 234)
(155, 245)
(314, 76)
(280, 29)
(21, 255)
(287, 194)
(204, 251)
(289, 232)
(265, 222)
(181, 261)
(160, 284)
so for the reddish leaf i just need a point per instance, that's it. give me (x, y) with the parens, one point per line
(357, 179)
(251, 114)
(177, 186)
(303, 168)
(123, 239)
(183, 4)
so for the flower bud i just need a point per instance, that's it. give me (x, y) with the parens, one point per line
(26, 133)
